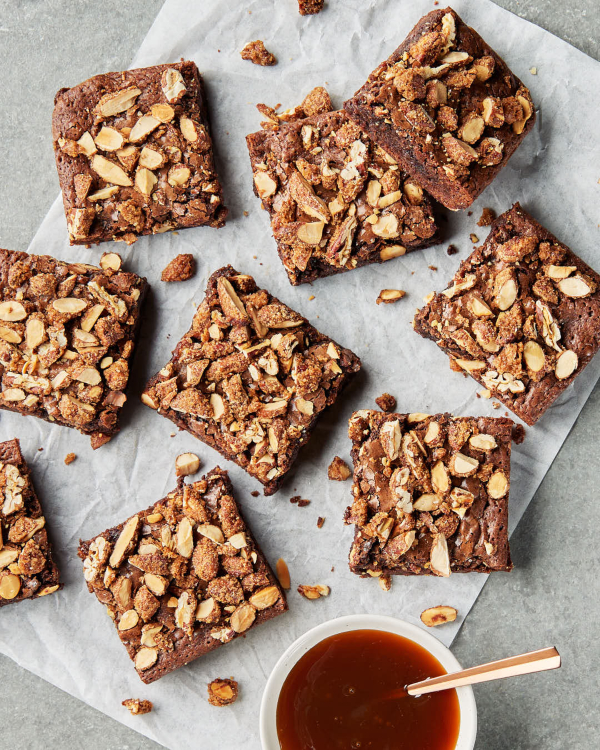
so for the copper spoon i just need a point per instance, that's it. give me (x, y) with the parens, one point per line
(534, 661)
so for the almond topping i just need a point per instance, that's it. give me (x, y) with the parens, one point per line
(143, 127)
(283, 573)
(128, 620)
(243, 617)
(264, 598)
(438, 615)
(109, 139)
(126, 536)
(110, 171)
(69, 305)
(145, 658)
(186, 464)
(439, 558)
(11, 311)
(534, 356)
(314, 592)
(265, 185)
(566, 364)
(497, 485)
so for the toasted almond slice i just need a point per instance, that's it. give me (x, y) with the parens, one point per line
(566, 364)
(111, 261)
(69, 305)
(109, 139)
(145, 658)
(388, 296)
(283, 573)
(143, 127)
(104, 193)
(91, 316)
(314, 592)
(392, 251)
(11, 311)
(173, 85)
(86, 144)
(204, 609)
(212, 532)
(264, 598)
(128, 620)
(238, 541)
(243, 617)
(483, 442)
(10, 585)
(439, 557)
(110, 171)
(10, 335)
(497, 485)
(145, 181)
(163, 112)
(534, 356)
(185, 537)
(89, 375)
(126, 536)
(119, 101)
(575, 287)
(439, 615)
(186, 464)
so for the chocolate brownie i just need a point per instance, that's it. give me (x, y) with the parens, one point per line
(430, 494)
(67, 334)
(336, 200)
(27, 568)
(250, 378)
(522, 315)
(183, 577)
(446, 107)
(134, 154)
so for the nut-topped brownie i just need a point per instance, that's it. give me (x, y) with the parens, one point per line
(336, 200)
(522, 315)
(67, 334)
(446, 107)
(430, 494)
(183, 577)
(251, 377)
(27, 568)
(134, 154)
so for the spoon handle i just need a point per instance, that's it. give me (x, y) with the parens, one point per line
(534, 661)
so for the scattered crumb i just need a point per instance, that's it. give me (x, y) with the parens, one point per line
(181, 268)
(247, 214)
(283, 573)
(257, 53)
(40, 449)
(432, 268)
(332, 568)
(389, 296)
(338, 470)
(495, 405)
(186, 464)
(297, 500)
(137, 706)
(316, 102)
(222, 692)
(69, 458)
(518, 434)
(255, 493)
(386, 402)
(469, 213)
(487, 217)
(485, 393)
(172, 434)
(385, 582)
(533, 71)
(474, 238)
(439, 615)
(311, 298)
(452, 250)
(314, 592)
(320, 522)
(310, 7)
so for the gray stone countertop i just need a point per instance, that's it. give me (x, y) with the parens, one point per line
(551, 598)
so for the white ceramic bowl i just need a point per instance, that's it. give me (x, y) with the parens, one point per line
(268, 707)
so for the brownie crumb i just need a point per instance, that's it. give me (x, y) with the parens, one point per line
(488, 215)
(320, 522)
(474, 238)
(255, 493)
(181, 268)
(452, 250)
(316, 102)
(495, 404)
(385, 582)
(297, 500)
(69, 458)
(137, 707)
(389, 296)
(257, 53)
(518, 434)
(386, 402)
(469, 213)
(338, 470)
(222, 692)
(310, 7)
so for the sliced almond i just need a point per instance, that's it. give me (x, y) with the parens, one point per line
(88, 320)
(386, 227)
(110, 171)
(507, 294)
(204, 609)
(114, 103)
(283, 573)
(238, 541)
(439, 558)
(185, 538)
(575, 287)
(103, 194)
(534, 356)
(392, 251)
(438, 615)
(218, 405)
(34, 332)
(178, 175)
(11, 311)
(472, 130)
(389, 199)
(86, 144)
(10, 335)
(109, 139)
(265, 185)
(188, 129)
(462, 465)
(483, 442)
(163, 112)
(13, 394)
(69, 305)
(439, 477)
(157, 584)
(211, 532)
(478, 307)
(128, 620)
(110, 261)
(314, 592)
(89, 375)
(566, 364)
(8, 556)
(127, 535)
(373, 192)
(145, 658)
(390, 295)
(145, 181)
(143, 127)
(264, 598)
(186, 464)
(150, 158)
(428, 501)
(148, 633)
(243, 617)
(433, 432)
(173, 85)
(497, 485)
(311, 232)
(10, 585)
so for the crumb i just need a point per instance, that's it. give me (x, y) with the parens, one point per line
(487, 217)
(452, 250)
(495, 405)
(338, 470)
(247, 214)
(474, 238)
(390, 296)
(332, 568)
(313, 592)
(485, 393)
(69, 458)
(432, 268)
(40, 449)
(222, 692)
(255, 493)
(181, 268)
(172, 434)
(297, 500)
(533, 71)
(310, 7)
(469, 213)
(385, 582)
(320, 522)
(257, 53)
(137, 707)
(518, 434)
(311, 298)
(386, 402)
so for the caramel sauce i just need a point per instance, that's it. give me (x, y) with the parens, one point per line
(340, 696)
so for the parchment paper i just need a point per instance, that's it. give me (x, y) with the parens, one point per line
(67, 638)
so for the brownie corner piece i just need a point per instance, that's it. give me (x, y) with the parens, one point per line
(521, 315)
(183, 577)
(446, 107)
(27, 567)
(336, 200)
(250, 378)
(430, 494)
(67, 336)
(134, 154)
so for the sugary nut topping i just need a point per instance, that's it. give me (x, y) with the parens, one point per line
(181, 268)
(137, 707)
(222, 692)
(310, 7)
(257, 53)
(422, 487)
(250, 377)
(435, 616)
(338, 470)
(186, 464)
(185, 570)
(314, 592)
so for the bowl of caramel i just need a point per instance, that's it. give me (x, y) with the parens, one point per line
(340, 686)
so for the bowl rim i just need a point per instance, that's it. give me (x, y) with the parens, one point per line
(268, 707)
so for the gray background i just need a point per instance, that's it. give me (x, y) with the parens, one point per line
(551, 598)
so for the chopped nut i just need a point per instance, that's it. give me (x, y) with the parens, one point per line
(257, 53)
(69, 458)
(338, 470)
(181, 268)
(186, 464)
(386, 402)
(487, 217)
(137, 707)
(283, 574)
(438, 615)
(314, 592)
(222, 692)
(389, 296)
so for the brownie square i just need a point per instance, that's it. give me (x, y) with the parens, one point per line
(430, 494)
(522, 315)
(183, 577)
(67, 334)
(27, 568)
(134, 154)
(250, 378)
(446, 107)
(336, 200)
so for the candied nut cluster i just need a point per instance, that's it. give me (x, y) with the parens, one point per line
(222, 692)
(310, 7)
(257, 53)
(250, 377)
(67, 333)
(447, 92)
(134, 155)
(386, 402)
(27, 569)
(335, 199)
(181, 268)
(182, 577)
(338, 470)
(137, 707)
(520, 316)
(430, 494)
